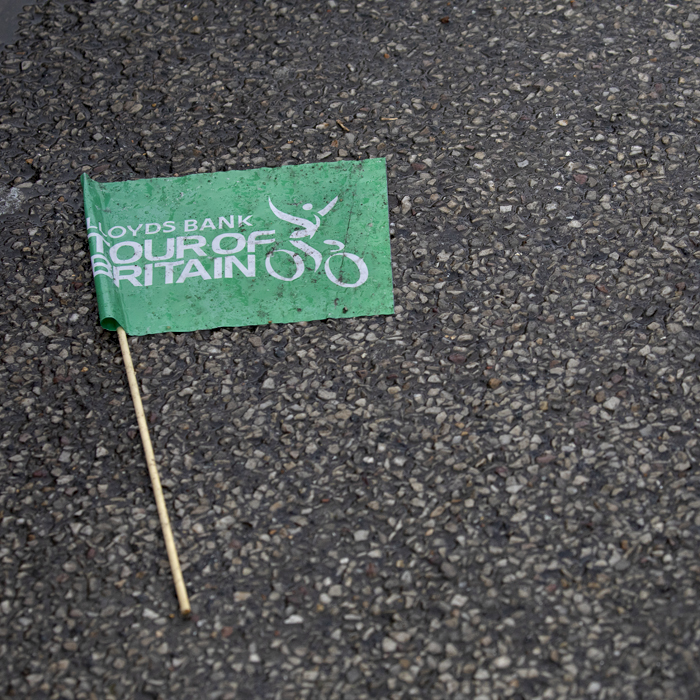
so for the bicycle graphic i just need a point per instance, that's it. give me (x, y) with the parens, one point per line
(307, 230)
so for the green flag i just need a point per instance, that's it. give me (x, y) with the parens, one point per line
(296, 243)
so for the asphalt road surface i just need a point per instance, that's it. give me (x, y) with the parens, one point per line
(492, 493)
(9, 9)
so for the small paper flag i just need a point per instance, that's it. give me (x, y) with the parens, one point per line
(295, 243)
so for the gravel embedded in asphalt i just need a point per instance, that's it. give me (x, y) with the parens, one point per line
(491, 494)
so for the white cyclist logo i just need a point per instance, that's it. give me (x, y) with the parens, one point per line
(307, 230)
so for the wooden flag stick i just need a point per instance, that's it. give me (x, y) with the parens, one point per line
(180, 589)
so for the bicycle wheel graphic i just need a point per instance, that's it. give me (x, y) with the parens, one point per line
(296, 259)
(361, 268)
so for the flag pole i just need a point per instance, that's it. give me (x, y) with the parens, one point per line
(180, 588)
